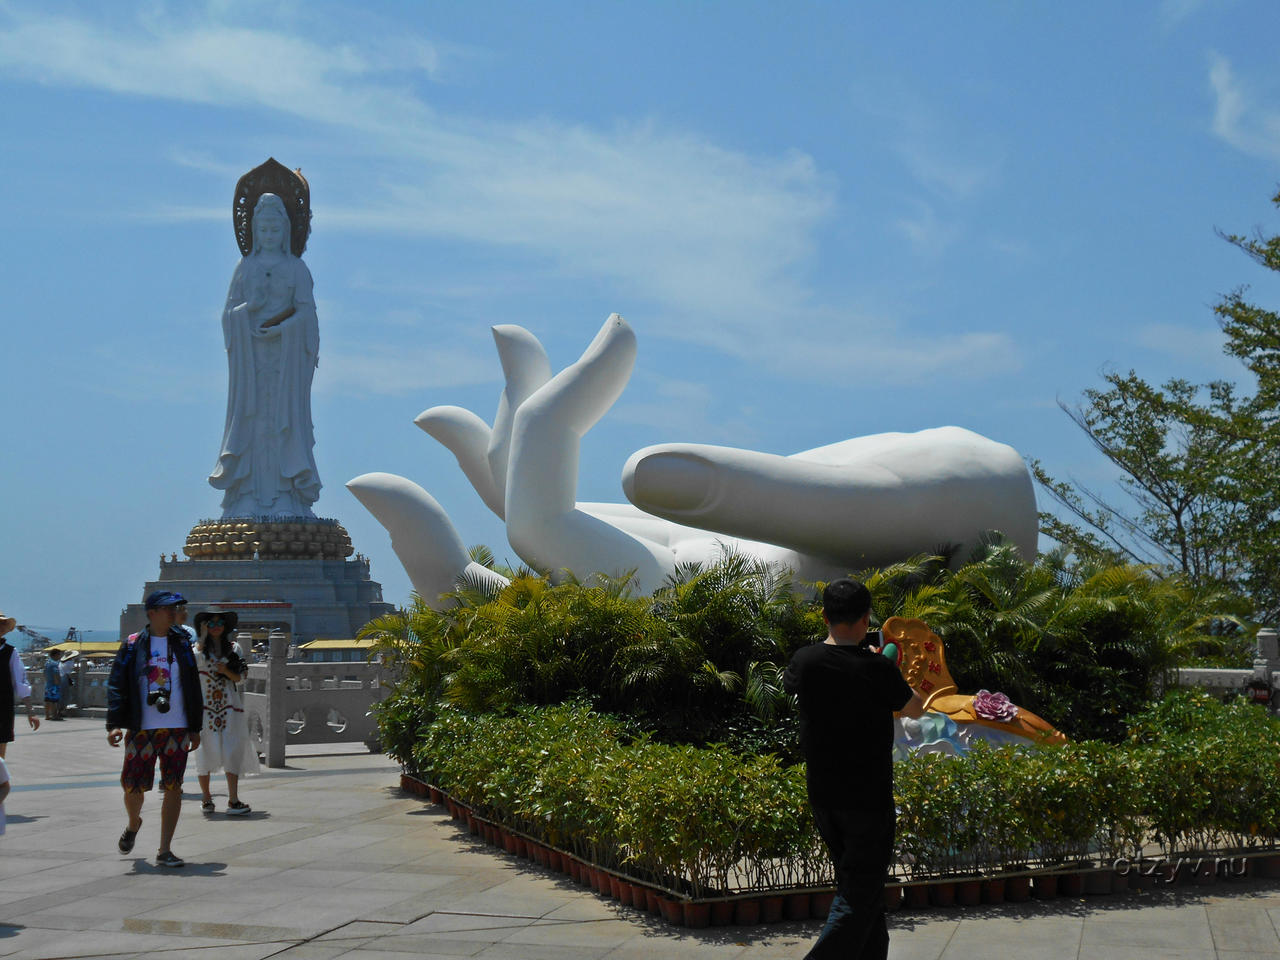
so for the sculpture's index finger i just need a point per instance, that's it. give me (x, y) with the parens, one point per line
(582, 393)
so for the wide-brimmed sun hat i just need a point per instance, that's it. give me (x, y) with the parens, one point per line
(6, 624)
(230, 619)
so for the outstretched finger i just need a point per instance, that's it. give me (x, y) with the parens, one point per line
(544, 525)
(467, 437)
(422, 535)
(525, 368)
(549, 425)
(893, 495)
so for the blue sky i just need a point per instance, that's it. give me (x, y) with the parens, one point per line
(822, 220)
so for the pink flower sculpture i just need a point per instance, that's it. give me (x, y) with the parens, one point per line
(994, 706)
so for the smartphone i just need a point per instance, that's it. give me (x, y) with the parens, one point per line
(875, 638)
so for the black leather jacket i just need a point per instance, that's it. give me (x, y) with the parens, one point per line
(124, 702)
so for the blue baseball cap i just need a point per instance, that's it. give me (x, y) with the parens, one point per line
(164, 598)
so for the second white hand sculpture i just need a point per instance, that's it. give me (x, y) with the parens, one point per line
(863, 502)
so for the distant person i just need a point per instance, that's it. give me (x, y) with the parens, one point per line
(154, 703)
(67, 666)
(13, 686)
(53, 685)
(225, 743)
(4, 792)
(847, 696)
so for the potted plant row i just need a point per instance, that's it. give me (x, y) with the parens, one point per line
(698, 822)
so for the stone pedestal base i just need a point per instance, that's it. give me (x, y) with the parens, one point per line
(307, 593)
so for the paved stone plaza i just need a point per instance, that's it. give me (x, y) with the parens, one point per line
(335, 862)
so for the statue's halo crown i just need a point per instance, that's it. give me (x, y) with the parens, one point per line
(290, 186)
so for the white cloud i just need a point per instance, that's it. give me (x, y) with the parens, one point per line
(714, 243)
(395, 371)
(676, 402)
(1200, 344)
(928, 233)
(1174, 12)
(1236, 120)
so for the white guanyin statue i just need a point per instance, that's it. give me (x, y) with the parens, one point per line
(864, 502)
(266, 467)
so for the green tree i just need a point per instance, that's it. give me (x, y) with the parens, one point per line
(1200, 464)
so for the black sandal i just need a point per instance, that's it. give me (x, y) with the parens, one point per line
(127, 838)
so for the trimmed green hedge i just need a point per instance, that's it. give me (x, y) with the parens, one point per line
(1194, 775)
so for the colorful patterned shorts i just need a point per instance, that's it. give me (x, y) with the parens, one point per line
(141, 750)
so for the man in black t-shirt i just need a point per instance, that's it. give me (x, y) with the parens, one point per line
(847, 695)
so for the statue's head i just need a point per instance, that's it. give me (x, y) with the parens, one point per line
(270, 224)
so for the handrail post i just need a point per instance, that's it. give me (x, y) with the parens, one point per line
(277, 652)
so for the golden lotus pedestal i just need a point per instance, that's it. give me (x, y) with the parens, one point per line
(300, 576)
(249, 539)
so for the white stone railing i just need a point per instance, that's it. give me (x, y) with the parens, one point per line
(304, 703)
(309, 703)
(88, 689)
(1261, 682)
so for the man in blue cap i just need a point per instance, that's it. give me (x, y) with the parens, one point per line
(154, 703)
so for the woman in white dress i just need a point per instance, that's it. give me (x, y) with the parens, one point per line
(224, 743)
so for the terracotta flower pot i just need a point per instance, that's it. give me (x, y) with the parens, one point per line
(615, 887)
(1269, 865)
(892, 896)
(722, 913)
(993, 890)
(697, 915)
(968, 892)
(746, 913)
(472, 825)
(625, 895)
(820, 904)
(1071, 884)
(943, 894)
(1205, 872)
(672, 910)
(916, 895)
(652, 902)
(796, 906)
(1098, 882)
(436, 795)
(1017, 889)
(1044, 885)
(771, 909)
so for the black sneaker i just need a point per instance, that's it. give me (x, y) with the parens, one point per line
(169, 859)
(126, 840)
(238, 808)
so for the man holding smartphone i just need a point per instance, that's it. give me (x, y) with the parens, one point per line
(847, 695)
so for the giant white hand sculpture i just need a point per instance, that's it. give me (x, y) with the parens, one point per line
(823, 513)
